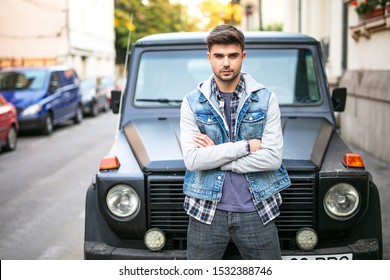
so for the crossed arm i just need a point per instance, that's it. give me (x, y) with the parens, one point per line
(202, 140)
(200, 152)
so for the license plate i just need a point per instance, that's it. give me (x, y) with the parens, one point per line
(319, 257)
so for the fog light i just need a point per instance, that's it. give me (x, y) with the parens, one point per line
(306, 239)
(154, 239)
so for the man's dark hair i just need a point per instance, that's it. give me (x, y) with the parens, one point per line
(225, 34)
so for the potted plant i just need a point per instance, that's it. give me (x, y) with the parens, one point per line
(370, 8)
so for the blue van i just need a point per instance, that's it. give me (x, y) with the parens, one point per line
(42, 96)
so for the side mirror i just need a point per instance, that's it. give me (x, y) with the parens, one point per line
(339, 98)
(115, 101)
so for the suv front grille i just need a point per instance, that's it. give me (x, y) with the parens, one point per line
(166, 205)
(297, 209)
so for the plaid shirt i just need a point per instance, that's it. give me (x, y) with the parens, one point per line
(237, 94)
(204, 210)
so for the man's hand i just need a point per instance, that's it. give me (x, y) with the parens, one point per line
(254, 145)
(202, 140)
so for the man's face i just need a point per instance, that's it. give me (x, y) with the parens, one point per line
(226, 61)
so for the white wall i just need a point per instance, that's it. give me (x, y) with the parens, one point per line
(366, 120)
(371, 53)
(92, 36)
(79, 33)
(32, 29)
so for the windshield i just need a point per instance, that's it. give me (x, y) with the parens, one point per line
(165, 77)
(22, 80)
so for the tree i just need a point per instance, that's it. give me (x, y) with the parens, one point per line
(149, 17)
(219, 13)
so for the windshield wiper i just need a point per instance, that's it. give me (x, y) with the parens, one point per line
(159, 100)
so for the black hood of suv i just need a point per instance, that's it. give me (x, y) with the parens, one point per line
(156, 143)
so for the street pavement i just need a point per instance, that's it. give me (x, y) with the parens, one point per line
(380, 171)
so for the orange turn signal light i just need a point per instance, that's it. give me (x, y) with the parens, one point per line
(109, 162)
(353, 160)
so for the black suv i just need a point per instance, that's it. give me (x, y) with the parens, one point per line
(134, 206)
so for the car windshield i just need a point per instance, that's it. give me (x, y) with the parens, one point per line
(87, 84)
(22, 80)
(165, 77)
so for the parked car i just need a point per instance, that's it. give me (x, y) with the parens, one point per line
(94, 97)
(8, 125)
(134, 206)
(42, 96)
(105, 85)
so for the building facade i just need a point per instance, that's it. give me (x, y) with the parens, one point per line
(366, 120)
(78, 33)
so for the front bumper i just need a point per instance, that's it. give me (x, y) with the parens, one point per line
(364, 249)
(31, 122)
(101, 251)
(87, 106)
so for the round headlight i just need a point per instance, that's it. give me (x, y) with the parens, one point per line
(306, 239)
(341, 201)
(154, 239)
(122, 201)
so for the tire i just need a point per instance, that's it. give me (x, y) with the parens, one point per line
(48, 128)
(78, 118)
(94, 109)
(12, 138)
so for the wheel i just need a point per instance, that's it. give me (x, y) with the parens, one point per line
(78, 118)
(94, 109)
(48, 128)
(10, 144)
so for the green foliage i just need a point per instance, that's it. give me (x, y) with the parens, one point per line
(217, 13)
(149, 17)
(369, 5)
(276, 26)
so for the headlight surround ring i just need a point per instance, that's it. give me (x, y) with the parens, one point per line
(123, 201)
(341, 201)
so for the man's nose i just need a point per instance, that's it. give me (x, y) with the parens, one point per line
(226, 61)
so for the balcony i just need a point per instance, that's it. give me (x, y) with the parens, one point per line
(371, 22)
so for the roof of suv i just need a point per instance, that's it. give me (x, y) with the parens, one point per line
(189, 38)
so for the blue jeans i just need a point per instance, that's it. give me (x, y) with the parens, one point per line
(254, 240)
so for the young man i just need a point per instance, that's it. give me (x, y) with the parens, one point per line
(232, 143)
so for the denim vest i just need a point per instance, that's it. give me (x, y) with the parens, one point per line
(207, 184)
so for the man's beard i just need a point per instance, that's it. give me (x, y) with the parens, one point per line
(227, 79)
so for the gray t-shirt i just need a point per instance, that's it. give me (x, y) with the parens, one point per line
(236, 196)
